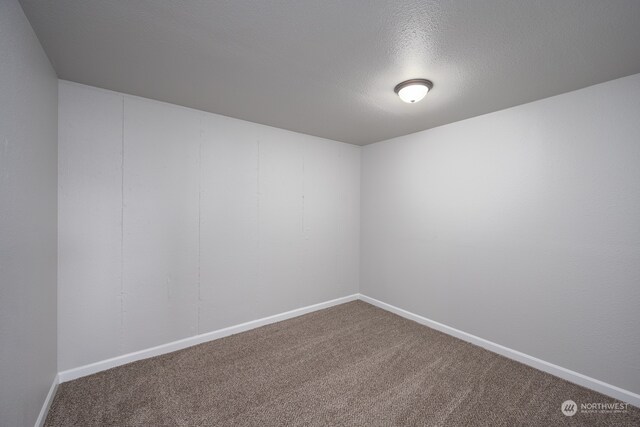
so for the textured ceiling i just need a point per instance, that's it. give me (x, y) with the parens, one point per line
(328, 68)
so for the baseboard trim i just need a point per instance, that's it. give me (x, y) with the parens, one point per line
(42, 416)
(103, 365)
(558, 371)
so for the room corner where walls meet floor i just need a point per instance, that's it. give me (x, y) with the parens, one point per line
(329, 342)
(558, 371)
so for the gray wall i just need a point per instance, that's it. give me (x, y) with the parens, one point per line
(28, 213)
(521, 227)
(175, 222)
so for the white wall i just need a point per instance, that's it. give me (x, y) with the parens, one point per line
(28, 212)
(521, 227)
(175, 222)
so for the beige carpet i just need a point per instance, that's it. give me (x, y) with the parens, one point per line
(352, 364)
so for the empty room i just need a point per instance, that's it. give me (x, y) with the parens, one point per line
(319, 213)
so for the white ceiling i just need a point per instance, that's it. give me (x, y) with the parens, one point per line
(328, 67)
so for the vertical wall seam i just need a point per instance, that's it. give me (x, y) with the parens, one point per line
(302, 258)
(303, 194)
(199, 225)
(359, 216)
(122, 232)
(342, 218)
(258, 258)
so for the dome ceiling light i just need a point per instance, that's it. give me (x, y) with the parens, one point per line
(412, 91)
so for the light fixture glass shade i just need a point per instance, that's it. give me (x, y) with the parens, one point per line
(413, 91)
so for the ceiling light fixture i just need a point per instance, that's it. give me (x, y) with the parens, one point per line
(412, 91)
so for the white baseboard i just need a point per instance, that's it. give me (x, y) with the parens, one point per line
(558, 371)
(566, 374)
(42, 416)
(103, 365)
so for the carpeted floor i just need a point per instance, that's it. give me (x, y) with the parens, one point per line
(352, 364)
